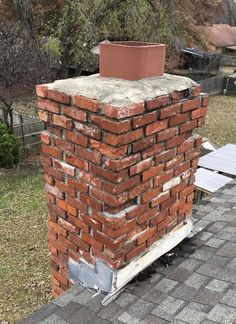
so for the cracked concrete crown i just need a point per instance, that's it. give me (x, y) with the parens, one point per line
(120, 92)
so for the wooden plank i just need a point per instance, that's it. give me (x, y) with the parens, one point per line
(210, 181)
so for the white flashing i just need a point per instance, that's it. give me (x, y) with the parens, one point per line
(168, 242)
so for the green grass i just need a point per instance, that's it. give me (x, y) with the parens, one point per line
(220, 126)
(24, 261)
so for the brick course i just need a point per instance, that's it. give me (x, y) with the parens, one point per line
(118, 178)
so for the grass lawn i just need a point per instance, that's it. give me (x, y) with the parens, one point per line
(220, 126)
(24, 257)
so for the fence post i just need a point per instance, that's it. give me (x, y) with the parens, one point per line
(23, 134)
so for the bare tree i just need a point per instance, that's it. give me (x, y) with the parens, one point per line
(21, 65)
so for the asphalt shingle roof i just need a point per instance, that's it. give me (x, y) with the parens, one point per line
(199, 287)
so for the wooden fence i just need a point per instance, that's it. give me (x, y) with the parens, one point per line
(213, 86)
(27, 129)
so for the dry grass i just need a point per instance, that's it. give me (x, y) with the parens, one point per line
(24, 268)
(220, 127)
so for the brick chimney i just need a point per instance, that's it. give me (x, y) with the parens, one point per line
(119, 159)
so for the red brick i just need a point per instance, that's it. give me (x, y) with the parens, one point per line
(109, 199)
(190, 155)
(167, 203)
(67, 225)
(49, 106)
(121, 164)
(201, 112)
(198, 141)
(144, 120)
(84, 153)
(54, 173)
(62, 121)
(46, 160)
(114, 264)
(177, 96)
(112, 176)
(191, 104)
(178, 188)
(187, 191)
(54, 191)
(138, 211)
(120, 232)
(143, 144)
(66, 207)
(176, 206)
(64, 145)
(77, 162)
(118, 140)
(60, 278)
(74, 183)
(157, 102)
(123, 186)
(162, 197)
(67, 243)
(147, 216)
(76, 203)
(78, 242)
(159, 217)
(76, 138)
(66, 188)
(48, 179)
(42, 90)
(188, 126)
(157, 148)
(57, 228)
(108, 242)
(52, 151)
(45, 137)
(166, 134)
(164, 177)
(75, 113)
(186, 146)
(109, 151)
(151, 194)
(43, 115)
(175, 141)
(86, 103)
(141, 166)
(165, 156)
(146, 235)
(138, 190)
(136, 251)
(181, 168)
(196, 90)
(66, 168)
(91, 222)
(90, 201)
(88, 130)
(79, 224)
(90, 179)
(123, 112)
(178, 119)
(152, 172)
(201, 121)
(58, 96)
(111, 125)
(170, 111)
(156, 127)
(155, 237)
(174, 162)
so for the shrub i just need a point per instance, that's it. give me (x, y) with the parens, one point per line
(9, 148)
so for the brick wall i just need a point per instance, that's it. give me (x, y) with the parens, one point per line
(117, 178)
